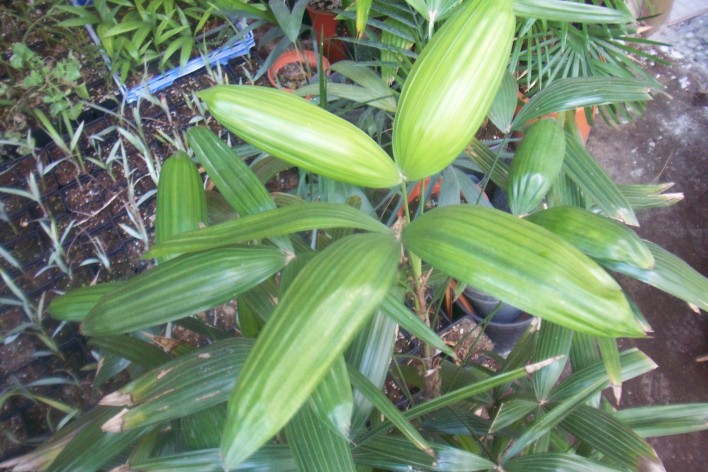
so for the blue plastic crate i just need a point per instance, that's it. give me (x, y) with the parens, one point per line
(161, 81)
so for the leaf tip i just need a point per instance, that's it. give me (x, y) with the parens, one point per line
(117, 399)
(530, 369)
(115, 424)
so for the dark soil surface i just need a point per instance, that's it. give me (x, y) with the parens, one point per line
(669, 145)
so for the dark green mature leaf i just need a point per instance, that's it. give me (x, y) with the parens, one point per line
(553, 340)
(572, 12)
(396, 453)
(456, 421)
(192, 382)
(411, 323)
(315, 446)
(389, 410)
(236, 181)
(579, 92)
(663, 420)
(523, 265)
(285, 220)
(497, 170)
(333, 400)
(513, 410)
(613, 365)
(301, 133)
(76, 304)
(670, 274)
(456, 396)
(608, 436)
(91, 448)
(552, 418)
(596, 185)
(536, 164)
(371, 89)
(289, 21)
(275, 457)
(202, 429)
(554, 462)
(437, 116)
(371, 354)
(599, 237)
(326, 305)
(133, 349)
(504, 105)
(182, 287)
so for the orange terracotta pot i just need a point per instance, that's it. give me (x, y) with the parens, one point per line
(324, 25)
(580, 119)
(308, 59)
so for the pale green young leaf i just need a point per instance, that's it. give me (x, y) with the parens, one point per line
(438, 112)
(323, 309)
(302, 134)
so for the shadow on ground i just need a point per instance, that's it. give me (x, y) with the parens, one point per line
(669, 145)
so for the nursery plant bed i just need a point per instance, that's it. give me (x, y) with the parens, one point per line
(155, 79)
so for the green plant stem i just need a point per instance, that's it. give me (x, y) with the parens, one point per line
(430, 366)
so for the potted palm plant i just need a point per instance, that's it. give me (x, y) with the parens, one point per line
(301, 389)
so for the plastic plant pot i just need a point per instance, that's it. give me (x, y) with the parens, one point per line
(504, 334)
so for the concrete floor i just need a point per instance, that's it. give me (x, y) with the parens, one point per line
(669, 145)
